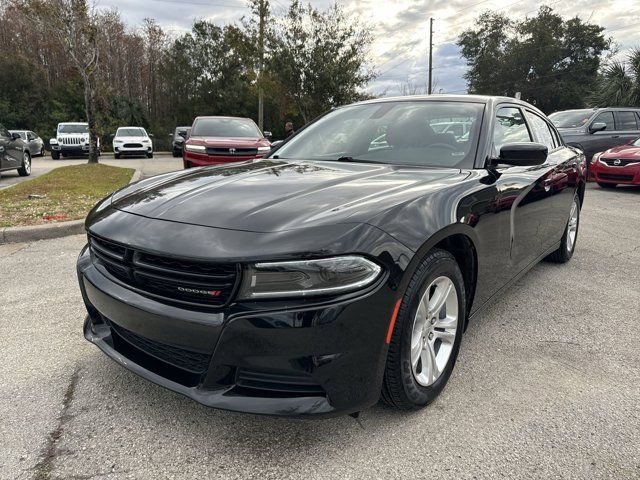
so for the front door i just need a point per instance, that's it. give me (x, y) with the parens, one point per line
(525, 192)
(5, 140)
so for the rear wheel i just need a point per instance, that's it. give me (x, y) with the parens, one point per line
(25, 170)
(570, 235)
(607, 185)
(426, 336)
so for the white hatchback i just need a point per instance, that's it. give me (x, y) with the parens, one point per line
(132, 141)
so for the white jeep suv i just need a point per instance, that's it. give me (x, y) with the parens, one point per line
(72, 139)
(132, 141)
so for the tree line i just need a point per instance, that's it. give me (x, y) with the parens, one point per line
(63, 55)
(65, 60)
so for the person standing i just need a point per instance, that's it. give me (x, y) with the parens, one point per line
(288, 129)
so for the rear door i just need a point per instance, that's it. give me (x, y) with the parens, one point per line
(627, 127)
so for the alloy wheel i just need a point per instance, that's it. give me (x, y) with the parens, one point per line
(26, 163)
(434, 331)
(572, 226)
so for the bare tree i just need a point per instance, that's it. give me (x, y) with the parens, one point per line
(75, 25)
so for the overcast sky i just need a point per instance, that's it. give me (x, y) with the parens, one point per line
(400, 52)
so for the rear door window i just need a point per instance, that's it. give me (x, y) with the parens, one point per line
(627, 121)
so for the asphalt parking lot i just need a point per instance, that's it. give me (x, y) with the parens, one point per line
(547, 385)
(160, 163)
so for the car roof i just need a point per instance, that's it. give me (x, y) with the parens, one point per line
(73, 123)
(468, 98)
(131, 126)
(224, 116)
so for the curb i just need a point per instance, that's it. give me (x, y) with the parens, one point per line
(33, 233)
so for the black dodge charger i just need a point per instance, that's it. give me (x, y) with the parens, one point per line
(342, 268)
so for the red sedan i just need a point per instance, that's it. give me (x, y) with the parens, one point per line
(618, 165)
(221, 140)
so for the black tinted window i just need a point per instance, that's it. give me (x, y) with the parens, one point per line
(627, 121)
(4, 132)
(606, 117)
(510, 127)
(424, 133)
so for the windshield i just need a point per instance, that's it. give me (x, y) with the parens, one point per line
(73, 128)
(424, 133)
(571, 118)
(23, 135)
(225, 127)
(131, 132)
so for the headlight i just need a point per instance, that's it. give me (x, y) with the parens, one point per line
(263, 149)
(146, 140)
(118, 141)
(308, 277)
(53, 141)
(596, 157)
(195, 148)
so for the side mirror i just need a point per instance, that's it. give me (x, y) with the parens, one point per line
(267, 134)
(524, 154)
(597, 127)
(150, 135)
(15, 136)
(112, 135)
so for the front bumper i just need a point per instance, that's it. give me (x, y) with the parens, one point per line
(290, 358)
(71, 149)
(143, 150)
(603, 173)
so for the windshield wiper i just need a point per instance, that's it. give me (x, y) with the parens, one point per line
(358, 160)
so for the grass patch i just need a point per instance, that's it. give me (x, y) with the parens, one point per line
(70, 193)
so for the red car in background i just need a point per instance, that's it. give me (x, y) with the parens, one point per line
(618, 165)
(221, 140)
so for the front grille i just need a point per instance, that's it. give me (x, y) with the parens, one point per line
(71, 140)
(623, 162)
(228, 151)
(132, 145)
(185, 282)
(611, 176)
(277, 384)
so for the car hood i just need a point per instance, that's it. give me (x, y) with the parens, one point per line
(276, 195)
(130, 139)
(623, 151)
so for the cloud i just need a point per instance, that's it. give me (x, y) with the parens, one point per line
(400, 50)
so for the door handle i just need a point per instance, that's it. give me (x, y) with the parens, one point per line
(615, 136)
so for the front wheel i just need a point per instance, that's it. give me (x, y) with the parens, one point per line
(150, 155)
(570, 235)
(25, 170)
(427, 334)
(55, 155)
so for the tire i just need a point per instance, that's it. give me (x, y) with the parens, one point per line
(55, 155)
(607, 185)
(407, 384)
(150, 155)
(116, 156)
(43, 152)
(570, 236)
(25, 170)
(176, 154)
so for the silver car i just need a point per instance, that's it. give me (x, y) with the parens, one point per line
(33, 141)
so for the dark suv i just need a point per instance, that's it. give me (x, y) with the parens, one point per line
(14, 153)
(597, 129)
(177, 140)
